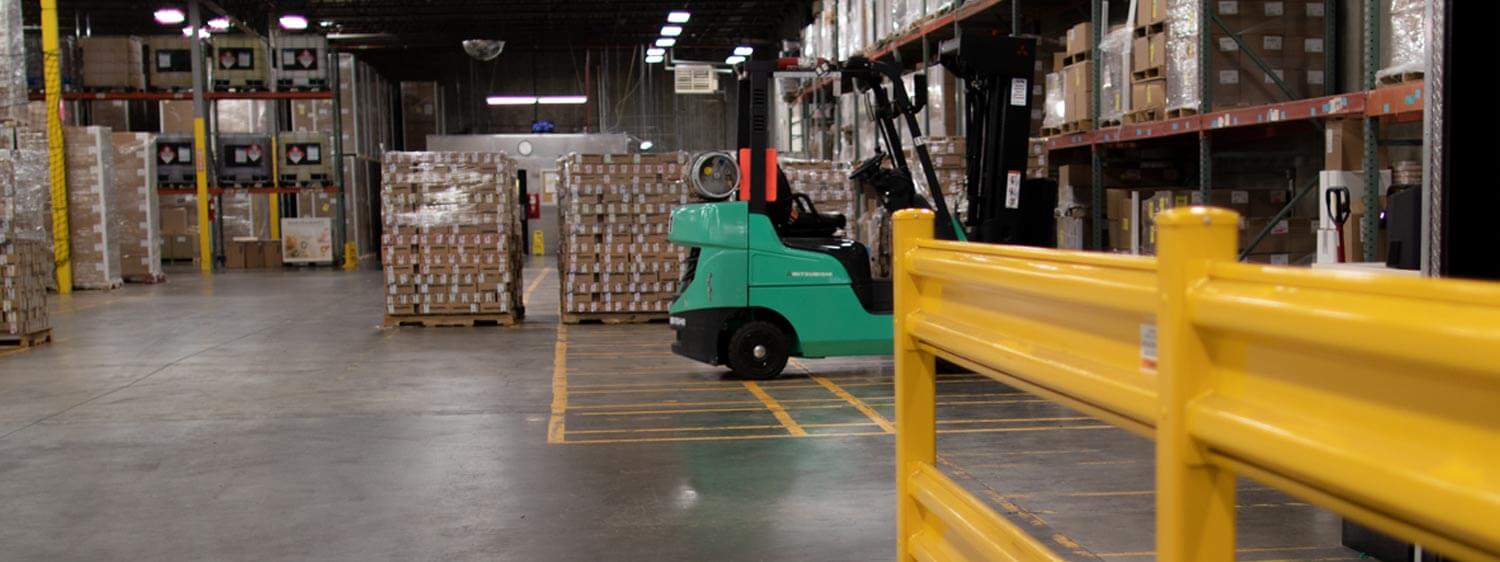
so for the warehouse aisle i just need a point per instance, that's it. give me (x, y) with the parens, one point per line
(265, 416)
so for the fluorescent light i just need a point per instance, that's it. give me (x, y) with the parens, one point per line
(293, 22)
(655, 52)
(202, 33)
(671, 30)
(666, 42)
(646, 145)
(744, 50)
(679, 17)
(510, 100)
(325, 23)
(169, 16)
(562, 100)
(653, 59)
(735, 59)
(219, 23)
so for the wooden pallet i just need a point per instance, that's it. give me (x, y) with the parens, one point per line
(614, 317)
(1107, 123)
(1153, 73)
(1144, 115)
(1150, 29)
(146, 278)
(1079, 126)
(1181, 112)
(1069, 60)
(1402, 78)
(1051, 131)
(26, 340)
(452, 320)
(110, 286)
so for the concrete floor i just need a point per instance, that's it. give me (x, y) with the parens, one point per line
(265, 416)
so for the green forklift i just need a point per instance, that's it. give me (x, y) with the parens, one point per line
(768, 279)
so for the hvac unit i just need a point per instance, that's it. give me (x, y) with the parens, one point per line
(696, 79)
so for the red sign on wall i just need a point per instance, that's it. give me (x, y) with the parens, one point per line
(533, 206)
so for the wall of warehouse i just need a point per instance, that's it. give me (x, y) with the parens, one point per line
(625, 95)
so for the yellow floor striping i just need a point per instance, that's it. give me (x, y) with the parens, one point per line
(526, 297)
(858, 404)
(673, 403)
(776, 410)
(557, 423)
(592, 389)
(1238, 550)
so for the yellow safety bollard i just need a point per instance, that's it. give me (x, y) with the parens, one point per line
(916, 380)
(1194, 498)
(351, 261)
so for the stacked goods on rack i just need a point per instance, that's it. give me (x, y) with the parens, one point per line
(300, 62)
(452, 241)
(25, 246)
(615, 261)
(12, 76)
(239, 62)
(1287, 36)
(1078, 76)
(1036, 158)
(1047, 56)
(1406, 57)
(1054, 102)
(1148, 63)
(136, 207)
(113, 63)
(94, 244)
(171, 66)
(179, 228)
(1114, 77)
(1074, 203)
(951, 166)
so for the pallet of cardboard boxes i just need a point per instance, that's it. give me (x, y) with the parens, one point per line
(25, 256)
(615, 261)
(137, 207)
(94, 244)
(452, 243)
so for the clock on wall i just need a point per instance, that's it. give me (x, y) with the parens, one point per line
(524, 148)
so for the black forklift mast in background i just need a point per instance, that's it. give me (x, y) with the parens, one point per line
(1004, 206)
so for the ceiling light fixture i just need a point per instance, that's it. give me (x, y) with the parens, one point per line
(671, 30)
(169, 16)
(510, 100)
(743, 50)
(734, 59)
(653, 59)
(562, 100)
(655, 52)
(202, 32)
(219, 23)
(666, 42)
(646, 145)
(293, 22)
(679, 17)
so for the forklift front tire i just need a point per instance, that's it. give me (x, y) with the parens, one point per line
(757, 351)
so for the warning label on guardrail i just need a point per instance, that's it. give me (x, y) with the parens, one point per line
(1148, 346)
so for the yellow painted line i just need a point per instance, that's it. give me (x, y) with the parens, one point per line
(526, 297)
(15, 351)
(704, 410)
(1244, 550)
(839, 424)
(735, 402)
(678, 429)
(557, 424)
(626, 354)
(776, 409)
(720, 386)
(1014, 420)
(858, 404)
(1022, 429)
(717, 438)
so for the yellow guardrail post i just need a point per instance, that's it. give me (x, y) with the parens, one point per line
(916, 384)
(1194, 498)
(62, 257)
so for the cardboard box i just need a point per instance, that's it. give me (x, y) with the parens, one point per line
(1079, 38)
(1287, 236)
(1149, 94)
(1344, 145)
(174, 220)
(270, 252)
(1150, 11)
(234, 255)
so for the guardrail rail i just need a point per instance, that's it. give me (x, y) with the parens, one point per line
(1373, 396)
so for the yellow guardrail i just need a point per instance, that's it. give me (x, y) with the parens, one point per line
(1377, 397)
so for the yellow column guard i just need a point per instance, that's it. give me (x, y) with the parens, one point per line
(205, 230)
(62, 257)
(1370, 395)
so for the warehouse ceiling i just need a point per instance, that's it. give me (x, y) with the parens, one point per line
(406, 24)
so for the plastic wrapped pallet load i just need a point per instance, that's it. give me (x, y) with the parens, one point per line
(137, 207)
(94, 244)
(615, 261)
(1114, 78)
(1405, 54)
(25, 247)
(452, 239)
(12, 74)
(1183, 24)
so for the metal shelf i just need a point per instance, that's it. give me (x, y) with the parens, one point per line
(186, 95)
(1402, 101)
(250, 190)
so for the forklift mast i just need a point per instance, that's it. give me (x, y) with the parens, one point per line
(757, 159)
(997, 72)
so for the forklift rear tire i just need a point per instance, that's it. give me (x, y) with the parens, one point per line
(757, 351)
